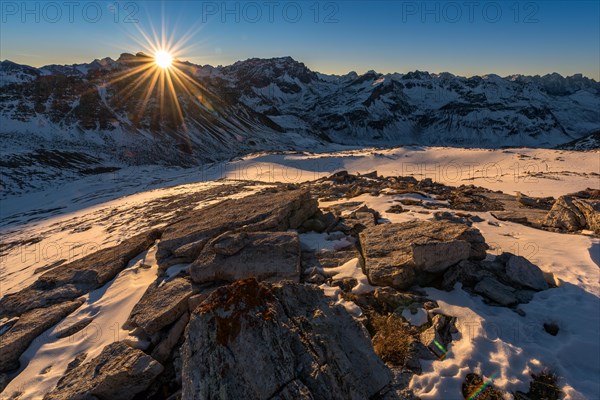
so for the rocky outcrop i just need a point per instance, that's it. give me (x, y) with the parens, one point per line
(161, 305)
(69, 281)
(572, 214)
(30, 325)
(260, 255)
(264, 335)
(119, 373)
(507, 280)
(267, 211)
(260, 341)
(398, 255)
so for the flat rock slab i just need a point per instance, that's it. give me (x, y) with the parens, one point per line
(253, 340)
(519, 209)
(183, 241)
(74, 279)
(118, 373)
(29, 326)
(163, 303)
(529, 216)
(396, 253)
(262, 255)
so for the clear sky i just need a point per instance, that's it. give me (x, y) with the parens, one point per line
(462, 37)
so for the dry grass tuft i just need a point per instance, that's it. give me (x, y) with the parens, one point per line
(544, 386)
(473, 382)
(393, 339)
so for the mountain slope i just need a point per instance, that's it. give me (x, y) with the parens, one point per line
(586, 143)
(105, 111)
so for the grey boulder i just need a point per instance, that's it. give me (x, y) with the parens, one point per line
(522, 271)
(253, 340)
(396, 254)
(573, 214)
(118, 373)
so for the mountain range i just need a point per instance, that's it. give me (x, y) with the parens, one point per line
(103, 111)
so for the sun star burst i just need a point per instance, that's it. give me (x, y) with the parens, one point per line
(161, 76)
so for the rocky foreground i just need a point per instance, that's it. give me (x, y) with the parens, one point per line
(254, 314)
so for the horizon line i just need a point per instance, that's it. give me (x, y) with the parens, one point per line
(316, 71)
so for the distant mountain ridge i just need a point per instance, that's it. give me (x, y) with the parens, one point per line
(102, 110)
(588, 142)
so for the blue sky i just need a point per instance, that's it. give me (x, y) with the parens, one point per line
(462, 37)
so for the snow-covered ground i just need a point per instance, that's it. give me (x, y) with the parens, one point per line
(496, 340)
(71, 220)
(535, 172)
(47, 357)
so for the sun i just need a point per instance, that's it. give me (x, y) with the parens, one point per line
(161, 78)
(163, 59)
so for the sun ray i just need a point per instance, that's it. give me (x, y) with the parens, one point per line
(163, 83)
(149, 91)
(130, 88)
(175, 100)
(127, 74)
(187, 90)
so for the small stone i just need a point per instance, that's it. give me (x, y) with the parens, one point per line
(496, 291)
(439, 334)
(346, 284)
(551, 328)
(74, 328)
(316, 279)
(396, 209)
(370, 175)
